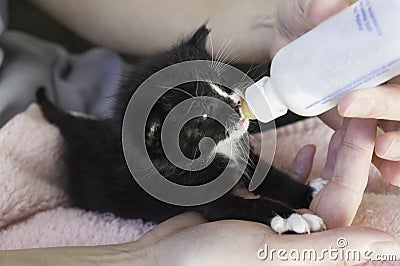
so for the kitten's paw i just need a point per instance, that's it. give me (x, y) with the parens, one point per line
(298, 223)
(317, 184)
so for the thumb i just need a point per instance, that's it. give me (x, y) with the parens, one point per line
(319, 10)
(302, 164)
(295, 17)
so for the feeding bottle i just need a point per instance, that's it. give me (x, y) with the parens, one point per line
(355, 49)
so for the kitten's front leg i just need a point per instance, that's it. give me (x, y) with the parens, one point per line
(280, 217)
(281, 187)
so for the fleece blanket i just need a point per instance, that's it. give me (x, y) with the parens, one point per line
(34, 210)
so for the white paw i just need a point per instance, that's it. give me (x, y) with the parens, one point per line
(317, 184)
(298, 223)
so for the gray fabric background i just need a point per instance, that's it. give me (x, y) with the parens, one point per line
(82, 83)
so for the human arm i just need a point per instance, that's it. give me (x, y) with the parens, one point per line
(144, 27)
(241, 31)
(132, 254)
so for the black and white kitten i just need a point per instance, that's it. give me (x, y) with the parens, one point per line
(99, 179)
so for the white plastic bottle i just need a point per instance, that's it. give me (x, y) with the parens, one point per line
(357, 48)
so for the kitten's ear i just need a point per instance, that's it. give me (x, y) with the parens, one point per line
(199, 38)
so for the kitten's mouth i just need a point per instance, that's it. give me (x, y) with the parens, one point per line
(244, 123)
(242, 126)
(239, 128)
(243, 119)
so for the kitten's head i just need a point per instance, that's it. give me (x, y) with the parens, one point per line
(218, 116)
(233, 124)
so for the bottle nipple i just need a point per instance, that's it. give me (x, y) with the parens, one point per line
(246, 111)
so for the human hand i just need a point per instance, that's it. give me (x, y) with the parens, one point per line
(347, 167)
(380, 103)
(296, 17)
(188, 239)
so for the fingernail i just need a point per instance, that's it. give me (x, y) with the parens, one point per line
(386, 248)
(391, 150)
(360, 108)
(396, 182)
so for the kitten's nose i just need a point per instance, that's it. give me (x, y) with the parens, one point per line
(237, 100)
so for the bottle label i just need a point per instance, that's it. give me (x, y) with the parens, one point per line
(373, 37)
(365, 17)
(357, 83)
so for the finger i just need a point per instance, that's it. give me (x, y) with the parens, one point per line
(338, 201)
(256, 143)
(395, 80)
(319, 10)
(302, 164)
(388, 146)
(295, 17)
(172, 226)
(389, 125)
(379, 103)
(390, 170)
(291, 22)
(332, 119)
(334, 146)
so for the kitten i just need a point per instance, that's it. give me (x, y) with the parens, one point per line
(99, 178)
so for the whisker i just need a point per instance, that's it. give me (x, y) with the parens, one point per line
(226, 65)
(177, 89)
(221, 51)
(212, 49)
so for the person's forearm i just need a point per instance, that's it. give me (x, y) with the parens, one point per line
(126, 254)
(144, 27)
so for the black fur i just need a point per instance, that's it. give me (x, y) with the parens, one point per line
(99, 179)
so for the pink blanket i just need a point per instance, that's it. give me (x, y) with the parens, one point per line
(34, 209)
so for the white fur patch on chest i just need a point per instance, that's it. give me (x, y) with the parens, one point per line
(229, 149)
(224, 147)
